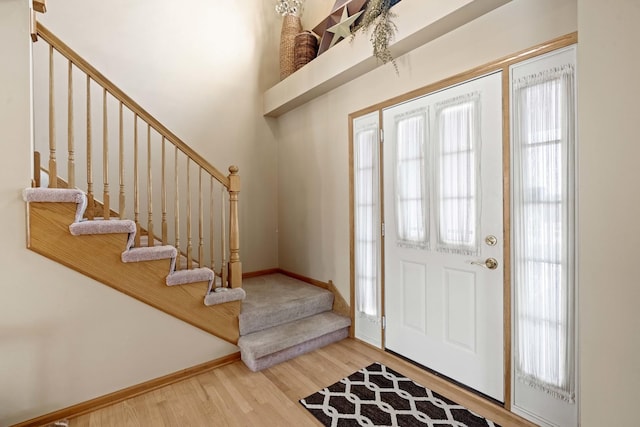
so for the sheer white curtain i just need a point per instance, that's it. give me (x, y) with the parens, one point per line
(410, 184)
(457, 174)
(543, 212)
(367, 221)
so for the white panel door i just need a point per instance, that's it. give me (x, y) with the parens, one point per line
(444, 233)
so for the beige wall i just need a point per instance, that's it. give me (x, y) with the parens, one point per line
(313, 186)
(64, 338)
(609, 211)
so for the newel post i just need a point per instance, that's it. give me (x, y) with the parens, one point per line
(235, 266)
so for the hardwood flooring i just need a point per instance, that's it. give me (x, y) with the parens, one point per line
(232, 395)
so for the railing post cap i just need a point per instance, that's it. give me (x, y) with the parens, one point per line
(233, 169)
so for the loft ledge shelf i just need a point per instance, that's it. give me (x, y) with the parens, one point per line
(418, 21)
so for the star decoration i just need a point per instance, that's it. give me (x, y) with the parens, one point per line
(343, 28)
(336, 18)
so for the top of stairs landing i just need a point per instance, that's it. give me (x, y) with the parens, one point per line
(276, 298)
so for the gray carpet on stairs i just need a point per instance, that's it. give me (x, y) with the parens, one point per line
(282, 318)
(281, 337)
(295, 351)
(275, 299)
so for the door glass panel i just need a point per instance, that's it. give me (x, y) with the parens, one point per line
(543, 141)
(457, 151)
(366, 220)
(410, 184)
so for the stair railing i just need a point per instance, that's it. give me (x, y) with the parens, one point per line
(142, 145)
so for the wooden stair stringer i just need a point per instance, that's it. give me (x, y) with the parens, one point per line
(98, 256)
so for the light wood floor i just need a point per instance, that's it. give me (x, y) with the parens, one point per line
(234, 396)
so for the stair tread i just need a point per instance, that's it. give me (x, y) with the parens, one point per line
(39, 194)
(277, 338)
(69, 195)
(147, 253)
(101, 226)
(275, 299)
(181, 260)
(182, 277)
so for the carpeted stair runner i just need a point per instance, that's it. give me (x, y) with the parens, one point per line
(282, 318)
(82, 227)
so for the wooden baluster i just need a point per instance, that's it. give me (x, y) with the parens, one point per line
(106, 209)
(71, 163)
(121, 204)
(176, 213)
(164, 193)
(136, 195)
(223, 233)
(37, 178)
(53, 167)
(201, 262)
(211, 225)
(189, 240)
(150, 235)
(235, 267)
(90, 199)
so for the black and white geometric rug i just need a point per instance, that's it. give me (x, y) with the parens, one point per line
(379, 396)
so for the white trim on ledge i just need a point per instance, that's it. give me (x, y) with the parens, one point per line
(418, 21)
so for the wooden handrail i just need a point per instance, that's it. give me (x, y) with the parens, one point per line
(99, 78)
(40, 6)
(230, 269)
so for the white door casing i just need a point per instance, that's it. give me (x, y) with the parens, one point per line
(441, 310)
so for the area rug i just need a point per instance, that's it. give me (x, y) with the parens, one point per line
(379, 396)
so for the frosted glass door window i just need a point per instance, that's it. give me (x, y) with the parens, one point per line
(410, 185)
(367, 265)
(366, 219)
(457, 169)
(543, 230)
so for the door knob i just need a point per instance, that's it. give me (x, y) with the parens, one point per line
(490, 263)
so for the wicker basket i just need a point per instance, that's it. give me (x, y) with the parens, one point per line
(306, 48)
(290, 27)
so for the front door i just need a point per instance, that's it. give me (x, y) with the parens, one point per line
(443, 226)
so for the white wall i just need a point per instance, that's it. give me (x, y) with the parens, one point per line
(609, 210)
(64, 338)
(313, 179)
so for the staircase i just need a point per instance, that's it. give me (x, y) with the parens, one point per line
(171, 240)
(281, 317)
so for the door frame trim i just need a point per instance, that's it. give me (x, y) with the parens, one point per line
(503, 65)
